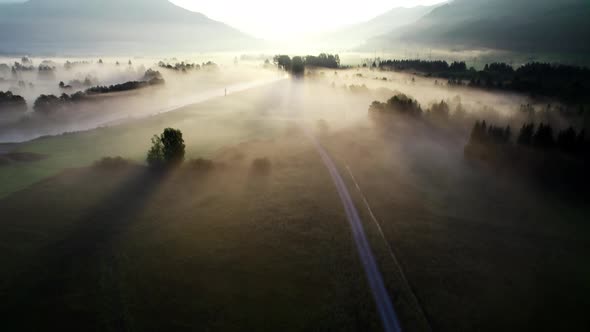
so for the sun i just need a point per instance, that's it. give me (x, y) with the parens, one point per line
(271, 20)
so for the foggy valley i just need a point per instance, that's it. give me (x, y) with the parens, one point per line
(422, 167)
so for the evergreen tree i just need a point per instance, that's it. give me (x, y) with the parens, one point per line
(525, 137)
(543, 138)
(507, 134)
(566, 140)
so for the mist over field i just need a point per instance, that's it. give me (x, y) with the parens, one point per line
(422, 170)
(180, 88)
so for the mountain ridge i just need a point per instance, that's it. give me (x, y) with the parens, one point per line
(516, 25)
(112, 26)
(354, 34)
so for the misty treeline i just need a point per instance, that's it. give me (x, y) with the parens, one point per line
(558, 159)
(297, 64)
(26, 64)
(88, 81)
(46, 69)
(546, 129)
(541, 136)
(438, 113)
(556, 129)
(73, 64)
(185, 67)
(12, 103)
(555, 154)
(150, 79)
(568, 83)
(47, 104)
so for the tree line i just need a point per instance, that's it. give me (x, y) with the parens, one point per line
(322, 61)
(297, 64)
(88, 81)
(439, 67)
(180, 66)
(567, 83)
(10, 102)
(127, 86)
(47, 104)
(400, 103)
(555, 156)
(541, 136)
(150, 78)
(557, 159)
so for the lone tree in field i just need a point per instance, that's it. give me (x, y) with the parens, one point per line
(167, 149)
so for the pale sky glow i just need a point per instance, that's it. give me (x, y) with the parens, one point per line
(271, 19)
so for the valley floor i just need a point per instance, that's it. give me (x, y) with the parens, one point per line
(236, 248)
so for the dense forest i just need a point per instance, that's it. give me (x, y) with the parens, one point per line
(567, 83)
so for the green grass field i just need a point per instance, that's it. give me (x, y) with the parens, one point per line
(207, 126)
(483, 252)
(223, 250)
(131, 250)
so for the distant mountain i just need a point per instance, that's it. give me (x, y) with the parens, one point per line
(107, 26)
(356, 34)
(561, 26)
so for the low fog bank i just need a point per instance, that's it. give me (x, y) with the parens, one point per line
(190, 79)
(399, 143)
(112, 90)
(260, 102)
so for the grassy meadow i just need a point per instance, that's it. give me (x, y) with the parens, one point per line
(221, 249)
(481, 251)
(236, 248)
(207, 126)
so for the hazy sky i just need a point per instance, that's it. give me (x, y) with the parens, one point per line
(270, 19)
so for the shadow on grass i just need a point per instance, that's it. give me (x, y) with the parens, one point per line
(73, 284)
